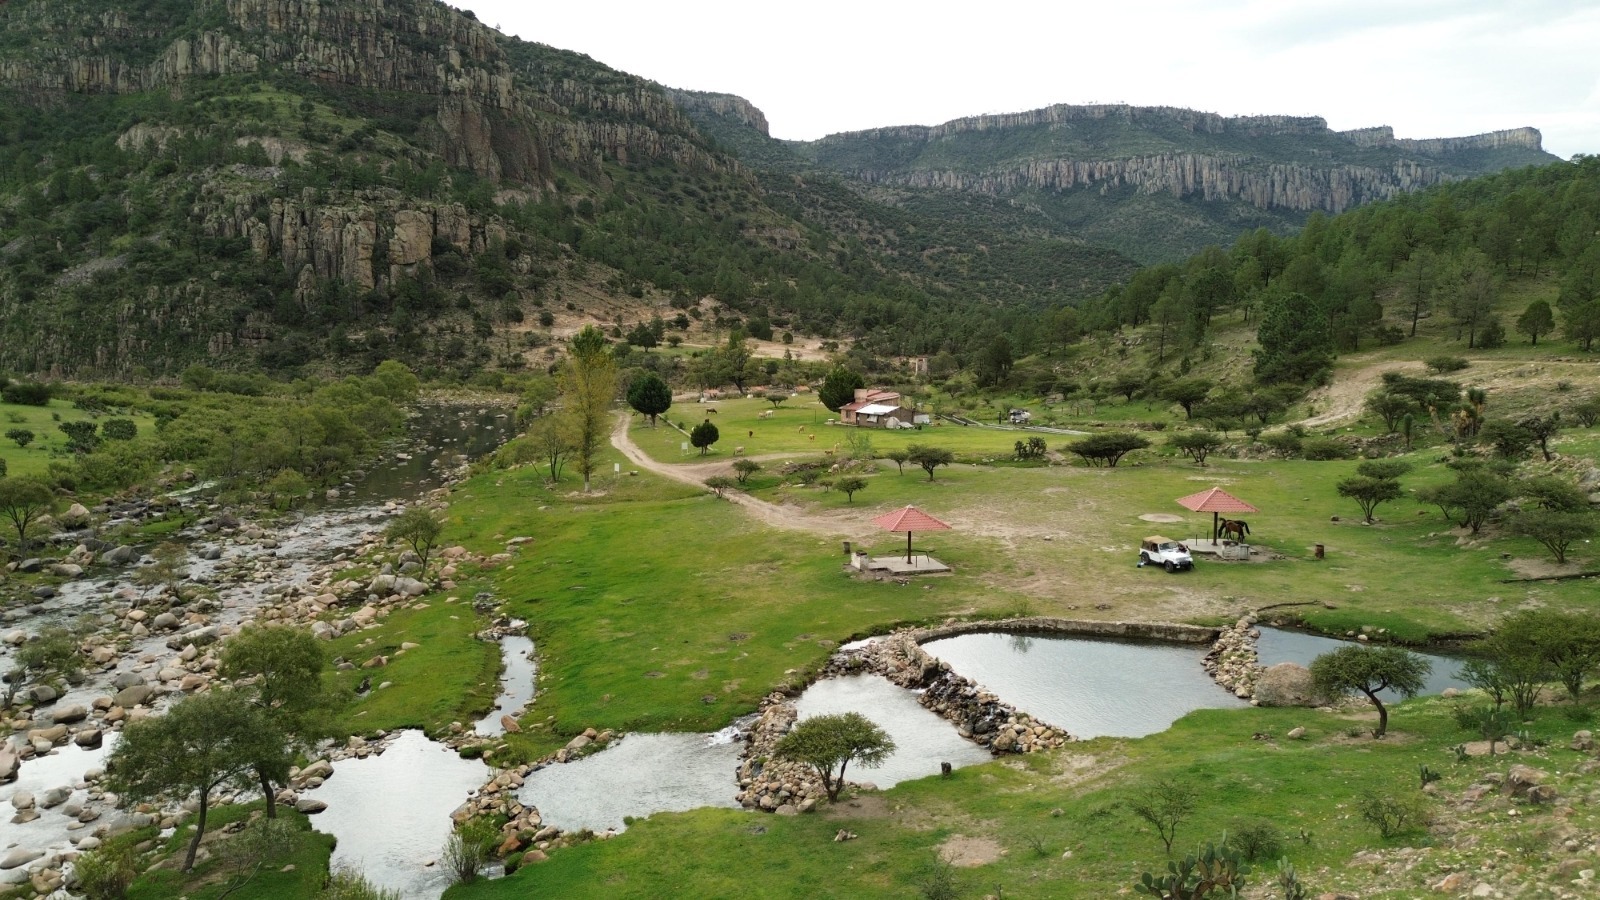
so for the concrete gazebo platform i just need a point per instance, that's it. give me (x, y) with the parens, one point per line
(918, 564)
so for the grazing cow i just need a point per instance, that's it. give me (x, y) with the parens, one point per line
(738, 451)
(813, 437)
(711, 410)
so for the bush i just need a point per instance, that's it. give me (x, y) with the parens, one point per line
(105, 874)
(1441, 365)
(119, 430)
(1285, 442)
(1394, 814)
(346, 884)
(26, 393)
(1255, 839)
(1323, 449)
(467, 850)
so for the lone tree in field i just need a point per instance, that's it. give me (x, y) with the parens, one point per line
(203, 743)
(1165, 804)
(744, 468)
(703, 436)
(419, 529)
(776, 398)
(829, 743)
(899, 458)
(22, 502)
(1197, 445)
(1186, 393)
(1368, 670)
(850, 484)
(1106, 449)
(1557, 530)
(650, 396)
(22, 436)
(588, 385)
(1537, 319)
(839, 388)
(279, 669)
(1368, 493)
(929, 458)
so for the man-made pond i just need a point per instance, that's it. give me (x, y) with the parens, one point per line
(1278, 645)
(1090, 687)
(922, 739)
(636, 776)
(391, 813)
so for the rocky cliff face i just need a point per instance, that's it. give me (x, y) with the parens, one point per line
(1298, 170)
(726, 105)
(1301, 188)
(502, 112)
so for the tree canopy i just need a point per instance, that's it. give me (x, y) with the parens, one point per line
(1368, 670)
(829, 743)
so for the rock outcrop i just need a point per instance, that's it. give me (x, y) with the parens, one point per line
(1221, 165)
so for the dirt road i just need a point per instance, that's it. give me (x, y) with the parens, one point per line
(695, 474)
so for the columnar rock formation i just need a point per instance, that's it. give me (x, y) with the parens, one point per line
(1234, 158)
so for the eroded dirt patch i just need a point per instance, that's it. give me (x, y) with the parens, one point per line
(969, 852)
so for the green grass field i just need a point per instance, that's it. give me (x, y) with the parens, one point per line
(1058, 825)
(48, 443)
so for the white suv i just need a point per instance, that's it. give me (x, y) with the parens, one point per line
(1165, 552)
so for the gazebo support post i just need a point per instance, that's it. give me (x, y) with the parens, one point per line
(1214, 528)
(908, 548)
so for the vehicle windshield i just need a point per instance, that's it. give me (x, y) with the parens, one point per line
(1172, 545)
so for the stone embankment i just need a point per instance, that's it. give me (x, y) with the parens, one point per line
(1232, 662)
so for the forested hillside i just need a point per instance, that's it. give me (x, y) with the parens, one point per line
(259, 183)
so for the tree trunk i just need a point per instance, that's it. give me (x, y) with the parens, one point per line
(267, 793)
(199, 832)
(1383, 714)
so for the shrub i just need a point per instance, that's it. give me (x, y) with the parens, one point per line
(1323, 449)
(26, 393)
(467, 849)
(1255, 839)
(105, 874)
(1395, 813)
(22, 436)
(1285, 442)
(346, 884)
(1442, 365)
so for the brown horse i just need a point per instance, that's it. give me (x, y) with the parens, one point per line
(1239, 529)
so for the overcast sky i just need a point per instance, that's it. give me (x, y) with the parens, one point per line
(1429, 68)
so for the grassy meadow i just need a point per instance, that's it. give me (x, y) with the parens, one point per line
(49, 443)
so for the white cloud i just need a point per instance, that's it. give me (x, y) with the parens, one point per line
(1429, 68)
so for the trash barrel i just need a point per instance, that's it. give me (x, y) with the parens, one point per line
(846, 548)
(1317, 551)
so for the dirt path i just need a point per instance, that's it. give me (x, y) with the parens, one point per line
(787, 517)
(1345, 397)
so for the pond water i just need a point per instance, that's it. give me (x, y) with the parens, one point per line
(520, 668)
(1279, 645)
(922, 738)
(391, 813)
(636, 776)
(1090, 687)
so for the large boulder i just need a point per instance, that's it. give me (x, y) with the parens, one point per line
(75, 516)
(1286, 684)
(130, 697)
(120, 556)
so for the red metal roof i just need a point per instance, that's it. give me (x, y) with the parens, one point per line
(1215, 500)
(909, 519)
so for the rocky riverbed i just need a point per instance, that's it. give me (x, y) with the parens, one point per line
(146, 641)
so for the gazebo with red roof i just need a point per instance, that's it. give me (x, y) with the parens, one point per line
(1215, 501)
(909, 519)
